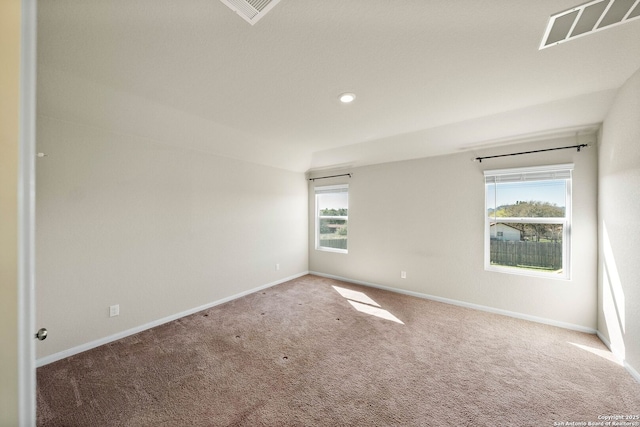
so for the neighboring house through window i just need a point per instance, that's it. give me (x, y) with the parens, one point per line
(332, 217)
(528, 220)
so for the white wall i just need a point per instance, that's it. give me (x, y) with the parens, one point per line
(156, 229)
(619, 229)
(426, 217)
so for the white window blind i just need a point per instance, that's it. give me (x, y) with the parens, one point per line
(543, 173)
(327, 189)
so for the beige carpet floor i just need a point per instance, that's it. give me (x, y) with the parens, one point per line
(319, 352)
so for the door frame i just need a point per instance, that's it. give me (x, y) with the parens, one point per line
(26, 216)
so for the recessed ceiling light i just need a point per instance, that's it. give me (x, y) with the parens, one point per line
(347, 98)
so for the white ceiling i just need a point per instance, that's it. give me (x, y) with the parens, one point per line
(432, 77)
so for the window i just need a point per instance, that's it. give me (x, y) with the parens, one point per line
(528, 220)
(332, 216)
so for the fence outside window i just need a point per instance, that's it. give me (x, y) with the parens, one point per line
(538, 255)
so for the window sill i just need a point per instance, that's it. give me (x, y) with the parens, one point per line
(335, 250)
(528, 272)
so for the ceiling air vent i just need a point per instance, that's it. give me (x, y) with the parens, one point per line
(588, 18)
(251, 10)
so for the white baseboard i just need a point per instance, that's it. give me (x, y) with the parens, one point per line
(93, 344)
(514, 314)
(614, 351)
(632, 371)
(620, 356)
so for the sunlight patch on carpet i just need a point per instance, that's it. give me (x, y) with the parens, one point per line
(355, 296)
(364, 304)
(375, 311)
(605, 354)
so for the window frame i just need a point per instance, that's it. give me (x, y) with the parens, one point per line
(326, 189)
(532, 172)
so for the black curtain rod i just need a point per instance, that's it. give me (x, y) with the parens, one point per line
(578, 147)
(332, 176)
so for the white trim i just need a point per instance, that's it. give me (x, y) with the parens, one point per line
(620, 356)
(465, 304)
(26, 217)
(632, 371)
(93, 344)
(616, 352)
(517, 271)
(328, 249)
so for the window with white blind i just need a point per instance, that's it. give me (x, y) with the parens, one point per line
(332, 217)
(528, 220)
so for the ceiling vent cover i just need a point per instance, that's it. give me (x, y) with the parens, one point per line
(588, 18)
(251, 10)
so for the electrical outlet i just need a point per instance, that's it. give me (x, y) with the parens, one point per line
(277, 267)
(114, 310)
(403, 274)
